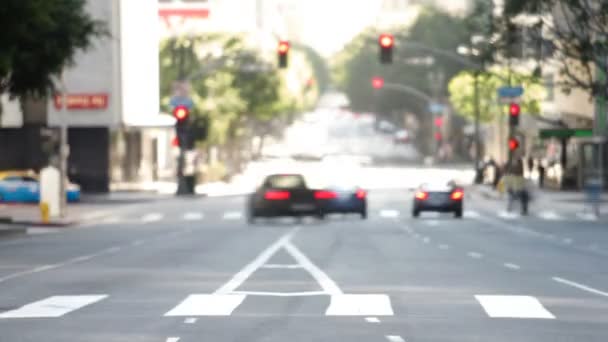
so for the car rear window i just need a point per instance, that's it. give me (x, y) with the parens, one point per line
(285, 182)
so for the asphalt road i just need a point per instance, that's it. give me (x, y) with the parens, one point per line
(193, 270)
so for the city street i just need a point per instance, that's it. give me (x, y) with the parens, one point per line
(192, 269)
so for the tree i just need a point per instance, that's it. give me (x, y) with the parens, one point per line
(579, 33)
(39, 39)
(461, 89)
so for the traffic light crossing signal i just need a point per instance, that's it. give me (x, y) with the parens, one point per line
(386, 43)
(513, 144)
(283, 53)
(514, 111)
(182, 126)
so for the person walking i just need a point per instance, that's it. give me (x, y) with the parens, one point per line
(515, 184)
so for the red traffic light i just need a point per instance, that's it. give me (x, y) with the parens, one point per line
(513, 144)
(439, 121)
(283, 47)
(386, 40)
(377, 82)
(438, 136)
(175, 142)
(514, 109)
(180, 113)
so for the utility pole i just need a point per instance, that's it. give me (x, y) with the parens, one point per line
(477, 119)
(182, 187)
(64, 150)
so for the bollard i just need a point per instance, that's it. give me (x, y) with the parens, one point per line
(44, 212)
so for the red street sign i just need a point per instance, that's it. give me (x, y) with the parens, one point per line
(83, 101)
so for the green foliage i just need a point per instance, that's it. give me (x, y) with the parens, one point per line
(359, 62)
(462, 94)
(39, 38)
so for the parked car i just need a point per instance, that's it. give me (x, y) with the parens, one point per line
(23, 188)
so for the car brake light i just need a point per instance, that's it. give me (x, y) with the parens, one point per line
(324, 194)
(457, 195)
(276, 195)
(421, 195)
(360, 194)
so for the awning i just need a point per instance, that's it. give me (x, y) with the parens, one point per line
(564, 133)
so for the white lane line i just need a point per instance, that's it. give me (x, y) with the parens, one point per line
(586, 216)
(372, 319)
(172, 339)
(61, 264)
(580, 286)
(281, 266)
(394, 338)
(207, 305)
(475, 255)
(232, 215)
(328, 285)
(260, 260)
(55, 306)
(567, 241)
(193, 216)
(152, 217)
(190, 320)
(359, 305)
(281, 294)
(389, 213)
(550, 215)
(426, 239)
(511, 266)
(432, 223)
(513, 307)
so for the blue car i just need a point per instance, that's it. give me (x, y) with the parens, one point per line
(342, 199)
(26, 189)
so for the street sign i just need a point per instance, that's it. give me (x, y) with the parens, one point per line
(181, 101)
(436, 108)
(510, 92)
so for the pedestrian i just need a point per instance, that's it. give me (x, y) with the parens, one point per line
(530, 166)
(541, 174)
(516, 186)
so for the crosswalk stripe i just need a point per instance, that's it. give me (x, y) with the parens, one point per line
(193, 216)
(152, 217)
(207, 305)
(359, 305)
(55, 306)
(508, 215)
(389, 213)
(471, 214)
(232, 215)
(513, 307)
(550, 215)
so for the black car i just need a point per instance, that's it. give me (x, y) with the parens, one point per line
(283, 195)
(439, 198)
(342, 200)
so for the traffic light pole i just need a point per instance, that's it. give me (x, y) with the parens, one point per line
(183, 187)
(477, 124)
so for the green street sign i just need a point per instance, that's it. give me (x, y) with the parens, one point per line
(561, 133)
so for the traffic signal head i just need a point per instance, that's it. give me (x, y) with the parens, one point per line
(438, 136)
(377, 82)
(514, 110)
(283, 53)
(513, 144)
(439, 121)
(386, 43)
(181, 113)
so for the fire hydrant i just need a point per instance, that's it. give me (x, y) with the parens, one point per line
(44, 212)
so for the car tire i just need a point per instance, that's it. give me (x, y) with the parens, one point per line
(458, 213)
(416, 213)
(363, 214)
(321, 216)
(251, 218)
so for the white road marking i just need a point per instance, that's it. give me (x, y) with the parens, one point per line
(567, 241)
(207, 305)
(587, 216)
(55, 306)
(190, 320)
(193, 216)
(389, 213)
(508, 215)
(372, 320)
(152, 217)
(233, 215)
(328, 285)
(426, 239)
(513, 307)
(111, 220)
(475, 255)
(394, 338)
(432, 223)
(359, 305)
(172, 339)
(281, 266)
(430, 214)
(580, 286)
(511, 266)
(260, 260)
(550, 215)
(471, 214)
(281, 294)
(42, 230)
